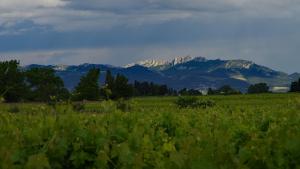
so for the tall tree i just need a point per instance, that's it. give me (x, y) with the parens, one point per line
(106, 90)
(121, 88)
(88, 87)
(44, 84)
(295, 86)
(12, 85)
(109, 80)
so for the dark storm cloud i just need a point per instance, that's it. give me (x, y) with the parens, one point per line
(122, 31)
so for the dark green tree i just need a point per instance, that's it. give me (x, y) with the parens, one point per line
(121, 88)
(109, 80)
(223, 90)
(151, 89)
(210, 91)
(45, 85)
(193, 92)
(295, 86)
(106, 90)
(183, 92)
(190, 92)
(142, 89)
(12, 84)
(88, 87)
(163, 90)
(227, 90)
(258, 88)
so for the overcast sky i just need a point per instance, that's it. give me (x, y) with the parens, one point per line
(119, 32)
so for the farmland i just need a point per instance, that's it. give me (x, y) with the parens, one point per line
(241, 131)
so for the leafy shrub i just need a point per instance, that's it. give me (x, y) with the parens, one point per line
(240, 138)
(193, 102)
(264, 127)
(78, 106)
(206, 103)
(2, 100)
(14, 109)
(123, 105)
(184, 102)
(38, 161)
(52, 101)
(106, 106)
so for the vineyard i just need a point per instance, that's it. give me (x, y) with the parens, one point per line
(235, 132)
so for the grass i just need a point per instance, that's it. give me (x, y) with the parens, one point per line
(241, 131)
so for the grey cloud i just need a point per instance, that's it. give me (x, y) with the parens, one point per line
(123, 31)
(70, 15)
(65, 56)
(277, 53)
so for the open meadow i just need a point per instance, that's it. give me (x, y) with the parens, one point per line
(240, 131)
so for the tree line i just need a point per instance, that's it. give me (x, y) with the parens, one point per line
(36, 84)
(43, 85)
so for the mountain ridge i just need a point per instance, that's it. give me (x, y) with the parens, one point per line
(185, 72)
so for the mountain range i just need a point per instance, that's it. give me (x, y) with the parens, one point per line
(185, 72)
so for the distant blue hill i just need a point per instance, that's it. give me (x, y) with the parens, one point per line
(185, 72)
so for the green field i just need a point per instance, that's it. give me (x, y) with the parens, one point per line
(242, 132)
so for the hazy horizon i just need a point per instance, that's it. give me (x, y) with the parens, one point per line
(120, 32)
(128, 64)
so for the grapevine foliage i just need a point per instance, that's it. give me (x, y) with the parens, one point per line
(153, 133)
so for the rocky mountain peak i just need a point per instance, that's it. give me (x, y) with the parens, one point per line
(181, 59)
(240, 64)
(60, 67)
(152, 63)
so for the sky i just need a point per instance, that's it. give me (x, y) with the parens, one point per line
(120, 32)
